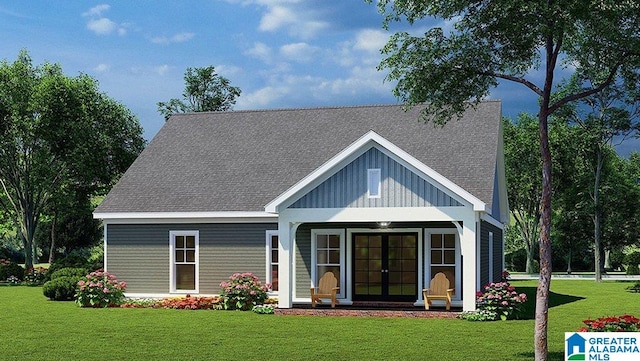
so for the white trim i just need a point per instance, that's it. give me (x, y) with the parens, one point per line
(186, 217)
(104, 256)
(371, 173)
(268, 235)
(172, 263)
(340, 232)
(372, 139)
(492, 221)
(491, 270)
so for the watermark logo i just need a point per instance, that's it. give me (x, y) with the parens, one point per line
(602, 346)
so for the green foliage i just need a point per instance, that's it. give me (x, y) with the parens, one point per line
(11, 270)
(36, 276)
(497, 301)
(191, 303)
(635, 287)
(243, 291)
(77, 272)
(632, 258)
(100, 289)
(264, 309)
(58, 135)
(204, 91)
(73, 260)
(61, 289)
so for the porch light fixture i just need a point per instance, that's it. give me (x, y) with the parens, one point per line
(384, 224)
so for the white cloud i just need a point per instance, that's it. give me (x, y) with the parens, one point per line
(260, 51)
(101, 68)
(162, 69)
(300, 52)
(177, 38)
(371, 40)
(261, 97)
(97, 10)
(103, 25)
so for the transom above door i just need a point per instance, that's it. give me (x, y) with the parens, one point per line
(385, 266)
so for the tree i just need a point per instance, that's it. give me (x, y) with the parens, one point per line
(204, 91)
(454, 69)
(57, 131)
(610, 115)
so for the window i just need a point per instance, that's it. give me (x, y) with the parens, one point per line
(272, 260)
(490, 256)
(328, 255)
(373, 183)
(184, 261)
(443, 256)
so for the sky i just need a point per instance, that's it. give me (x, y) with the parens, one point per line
(280, 53)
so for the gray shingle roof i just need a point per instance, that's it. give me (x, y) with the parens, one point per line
(242, 160)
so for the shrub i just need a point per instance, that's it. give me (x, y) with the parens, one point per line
(243, 291)
(77, 272)
(62, 288)
(36, 276)
(624, 323)
(100, 289)
(632, 260)
(498, 301)
(72, 260)
(633, 270)
(9, 269)
(264, 309)
(635, 287)
(192, 303)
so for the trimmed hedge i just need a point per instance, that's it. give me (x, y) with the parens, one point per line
(62, 288)
(77, 272)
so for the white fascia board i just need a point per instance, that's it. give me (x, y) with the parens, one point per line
(186, 217)
(489, 219)
(388, 148)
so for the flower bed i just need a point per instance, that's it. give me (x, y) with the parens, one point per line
(624, 323)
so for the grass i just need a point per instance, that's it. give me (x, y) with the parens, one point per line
(34, 328)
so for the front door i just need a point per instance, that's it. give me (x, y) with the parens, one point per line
(385, 266)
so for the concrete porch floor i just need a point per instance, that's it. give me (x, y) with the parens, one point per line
(370, 309)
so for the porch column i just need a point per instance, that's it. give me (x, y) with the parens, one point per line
(469, 251)
(285, 269)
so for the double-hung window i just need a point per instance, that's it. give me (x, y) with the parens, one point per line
(328, 255)
(183, 257)
(272, 260)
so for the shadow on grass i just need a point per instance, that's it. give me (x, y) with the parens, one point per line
(553, 356)
(555, 299)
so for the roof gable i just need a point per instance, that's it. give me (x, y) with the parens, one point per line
(240, 161)
(449, 193)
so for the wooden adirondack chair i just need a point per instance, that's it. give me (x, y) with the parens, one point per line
(327, 288)
(438, 290)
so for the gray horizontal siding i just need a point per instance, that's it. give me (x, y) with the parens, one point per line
(485, 228)
(399, 187)
(139, 254)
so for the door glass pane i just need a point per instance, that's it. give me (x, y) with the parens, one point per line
(449, 241)
(274, 277)
(375, 241)
(185, 276)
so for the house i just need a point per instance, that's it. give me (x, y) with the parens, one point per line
(370, 193)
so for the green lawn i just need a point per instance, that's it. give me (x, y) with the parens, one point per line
(33, 328)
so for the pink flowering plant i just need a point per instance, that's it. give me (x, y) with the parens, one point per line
(497, 301)
(243, 291)
(501, 299)
(100, 289)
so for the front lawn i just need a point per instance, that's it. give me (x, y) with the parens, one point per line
(33, 328)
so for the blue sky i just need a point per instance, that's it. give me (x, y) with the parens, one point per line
(281, 53)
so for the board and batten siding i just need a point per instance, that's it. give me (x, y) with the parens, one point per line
(485, 228)
(139, 253)
(400, 187)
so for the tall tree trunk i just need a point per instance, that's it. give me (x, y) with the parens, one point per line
(544, 283)
(530, 267)
(597, 216)
(52, 248)
(569, 256)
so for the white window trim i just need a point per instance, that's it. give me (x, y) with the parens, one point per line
(491, 270)
(370, 173)
(343, 256)
(269, 234)
(427, 257)
(172, 263)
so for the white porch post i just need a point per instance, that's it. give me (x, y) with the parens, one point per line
(285, 279)
(469, 249)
